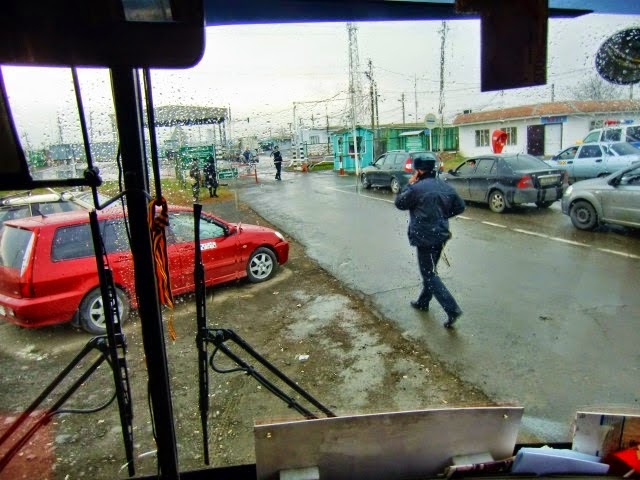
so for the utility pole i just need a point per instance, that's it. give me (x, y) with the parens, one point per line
(60, 129)
(402, 100)
(375, 90)
(229, 148)
(295, 126)
(354, 89)
(369, 74)
(372, 93)
(415, 93)
(443, 38)
(326, 115)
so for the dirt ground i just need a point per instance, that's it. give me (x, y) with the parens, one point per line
(321, 335)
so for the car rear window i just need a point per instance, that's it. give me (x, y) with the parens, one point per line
(424, 154)
(624, 149)
(13, 213)
(633, 134)
(14, 246)
(526, 162)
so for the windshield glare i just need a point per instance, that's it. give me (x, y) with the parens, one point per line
(550, 309)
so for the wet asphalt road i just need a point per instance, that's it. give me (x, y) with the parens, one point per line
(551, 314)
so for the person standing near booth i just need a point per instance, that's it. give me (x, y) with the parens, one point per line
(196, 179)
(277, 161)
(211, 176)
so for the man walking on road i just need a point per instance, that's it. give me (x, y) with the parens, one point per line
(431, 202)
(277, 161)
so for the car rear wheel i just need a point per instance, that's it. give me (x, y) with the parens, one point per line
(92, 318)
(262, 265)
(543, 204)
(395, 185)
(364, 180)
(583, 215)
(497, 202)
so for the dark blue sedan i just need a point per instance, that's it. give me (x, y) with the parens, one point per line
(505, 180)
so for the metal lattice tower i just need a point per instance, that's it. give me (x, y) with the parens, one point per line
(357, 105)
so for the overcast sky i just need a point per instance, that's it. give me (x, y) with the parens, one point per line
(260, 71)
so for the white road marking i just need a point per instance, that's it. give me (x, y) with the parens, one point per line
(529, 232)
(570, 242)
(615, 252)
(360, 194)
(498, 225)
(494, 224)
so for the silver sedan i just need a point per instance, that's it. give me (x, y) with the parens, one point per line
(614, 199)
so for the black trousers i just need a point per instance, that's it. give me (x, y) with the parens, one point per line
(432, 285)
(278, 169)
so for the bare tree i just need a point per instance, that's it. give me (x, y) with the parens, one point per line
(595, 88)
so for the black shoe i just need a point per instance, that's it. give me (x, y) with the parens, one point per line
(419, 306)
(453, 317)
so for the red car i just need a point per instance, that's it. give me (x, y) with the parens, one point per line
(48, 272)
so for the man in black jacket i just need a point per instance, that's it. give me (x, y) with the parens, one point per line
(431, 202)
(277, 161)
(211, 176)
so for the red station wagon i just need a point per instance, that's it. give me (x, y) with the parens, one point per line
(48, 272)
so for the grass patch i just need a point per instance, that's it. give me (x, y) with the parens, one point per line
(173, 191)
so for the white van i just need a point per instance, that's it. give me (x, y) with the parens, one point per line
(615, 131)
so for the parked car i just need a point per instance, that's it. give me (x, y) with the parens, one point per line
(26, 204)
(393, 169)
(507, 179)
(615, 132)
(48, 269)
(591, 160)
(614, 199)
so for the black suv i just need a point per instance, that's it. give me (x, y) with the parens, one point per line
(392, 169)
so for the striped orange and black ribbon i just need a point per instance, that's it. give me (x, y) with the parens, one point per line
(157, 225)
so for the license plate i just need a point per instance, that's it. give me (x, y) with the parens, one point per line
(548, 180)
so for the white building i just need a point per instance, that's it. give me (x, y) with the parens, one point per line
(316, 141)
(542, 129)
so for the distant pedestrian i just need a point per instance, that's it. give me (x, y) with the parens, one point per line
(277, 161)
(196, 179)
(431, 202)
(211, 176)
(247, 155)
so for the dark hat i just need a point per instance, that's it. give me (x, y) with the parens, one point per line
(423, 162)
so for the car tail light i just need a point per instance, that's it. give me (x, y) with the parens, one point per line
(408, 165)
(525, 182)
(26, 284)
(26, 271)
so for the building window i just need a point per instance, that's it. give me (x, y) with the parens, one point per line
(482, 138)
(596, 124)
(512, 135)
(314, 139)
